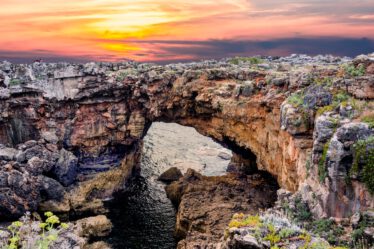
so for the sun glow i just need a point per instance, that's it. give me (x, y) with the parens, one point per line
(117, 29)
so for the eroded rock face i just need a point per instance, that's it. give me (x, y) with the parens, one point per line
(42, 178)
(206, 204)
(99, 112)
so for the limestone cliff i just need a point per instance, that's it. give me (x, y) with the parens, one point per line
(300, 116)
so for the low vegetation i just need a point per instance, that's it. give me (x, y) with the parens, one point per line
(296, 99)
(14, 82)
(369, 119)
(322, 171)
(299, 213)
(279, 233)
(250, 60)
(28, 233)
(363, 162)
(353, 71)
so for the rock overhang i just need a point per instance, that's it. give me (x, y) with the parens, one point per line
(91, 109)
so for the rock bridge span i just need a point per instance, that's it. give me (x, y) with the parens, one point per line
(85, 118)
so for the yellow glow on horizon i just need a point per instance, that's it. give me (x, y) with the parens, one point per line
(119, 47)
(100, 28)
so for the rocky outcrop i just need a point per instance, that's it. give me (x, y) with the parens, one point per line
(41, 176)
(206, 204)
(94, 116)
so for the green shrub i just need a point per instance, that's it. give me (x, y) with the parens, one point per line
(323, 81)
(14, 82)
(239, 220)
(286, 233)
(358, 233)
(369, 120)
(251, 60)
(272, 236)
(322, 226)
(296, 99)
(322, 172)
(351, 70)
(341, 97)
(365, 156)
(302, 212)
(327, 108)
(26, 235)
(327, 229)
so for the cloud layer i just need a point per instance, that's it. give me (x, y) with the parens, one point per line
(161, 30)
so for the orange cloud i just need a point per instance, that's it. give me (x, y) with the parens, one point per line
(98, 28)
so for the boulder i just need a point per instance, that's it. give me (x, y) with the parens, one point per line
(317, 96)
(170, 175)
(51, 189)
(37, 166)
(246, 242)
(50, 137)
(66, 168)
(8, 154)
(97, 226)
(20, 195)
(98, 245)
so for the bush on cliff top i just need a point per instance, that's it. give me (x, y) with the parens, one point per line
(251, 60)
(353, 71)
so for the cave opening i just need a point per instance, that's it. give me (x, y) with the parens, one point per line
(142, 215)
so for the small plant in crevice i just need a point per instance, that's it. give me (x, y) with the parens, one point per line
(340, 98)
(302, 212)
(326, 81)
(14, 82)
(239, 221)
(307, 166)
(296, 99)
(322, 171)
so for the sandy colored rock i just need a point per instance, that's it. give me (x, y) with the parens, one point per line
(97, 226)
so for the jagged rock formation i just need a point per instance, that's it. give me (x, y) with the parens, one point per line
(83, 119)
(206, 204)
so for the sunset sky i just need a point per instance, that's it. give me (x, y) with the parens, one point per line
(166, 31)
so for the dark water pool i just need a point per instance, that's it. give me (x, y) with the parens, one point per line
(142, 217)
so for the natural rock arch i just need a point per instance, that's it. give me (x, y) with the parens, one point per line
(99, 110)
